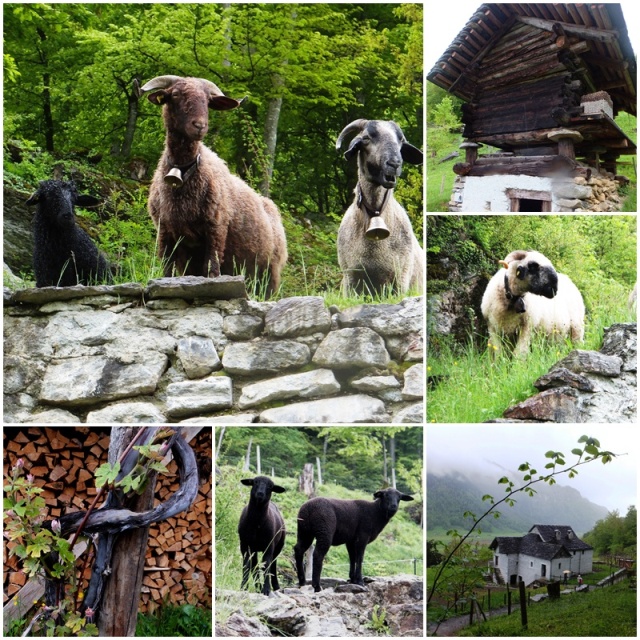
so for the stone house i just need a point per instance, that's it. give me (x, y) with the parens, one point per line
(544, 553)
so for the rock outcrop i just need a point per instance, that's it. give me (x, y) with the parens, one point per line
(389, 606)
(190, 349)
(588, 386)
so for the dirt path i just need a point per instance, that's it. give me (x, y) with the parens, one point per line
(453, 626)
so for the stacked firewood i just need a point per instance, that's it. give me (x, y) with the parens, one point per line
(62, 461)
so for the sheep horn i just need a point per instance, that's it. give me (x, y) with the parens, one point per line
(504, 263)
(160, 82)
(355, 126)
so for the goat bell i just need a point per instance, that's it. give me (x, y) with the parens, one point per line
(377, 229)
(174, 178)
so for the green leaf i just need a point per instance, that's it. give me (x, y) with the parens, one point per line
(503, 480)
(583, 439)
(592, 450)
(107, 474)
(486, 497)
(550, 465)
(576, 452)
(550, 454)
(527, 477)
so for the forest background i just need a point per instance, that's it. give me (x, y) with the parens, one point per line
(355, 462)
(307, 69)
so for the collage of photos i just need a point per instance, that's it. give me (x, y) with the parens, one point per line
(320, 319)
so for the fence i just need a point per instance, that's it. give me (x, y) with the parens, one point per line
(416, 563)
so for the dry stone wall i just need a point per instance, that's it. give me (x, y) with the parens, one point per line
(197, 350)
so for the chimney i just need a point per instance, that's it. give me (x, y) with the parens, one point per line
(570, 534)
(557, 532)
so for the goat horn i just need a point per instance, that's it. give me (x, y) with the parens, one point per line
(504, 263)
(213, 88)
(160, 82)
(355, 126)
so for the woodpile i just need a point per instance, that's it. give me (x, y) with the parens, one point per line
(62, 461)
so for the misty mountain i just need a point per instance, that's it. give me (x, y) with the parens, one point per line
(450, 495)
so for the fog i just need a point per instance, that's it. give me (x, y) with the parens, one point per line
(498, 449)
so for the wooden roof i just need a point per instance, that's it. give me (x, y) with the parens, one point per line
(609, 60)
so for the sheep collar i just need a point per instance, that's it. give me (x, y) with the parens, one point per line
(362, 204)
(185, 171)
(516, 302)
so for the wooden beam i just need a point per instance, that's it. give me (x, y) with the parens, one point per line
(588, 33)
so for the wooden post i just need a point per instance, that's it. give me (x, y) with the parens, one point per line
(508, 601)
(247, 458)
(523, 604)
(305, 483)
(258, 462)
(119, 612)
(319, 470)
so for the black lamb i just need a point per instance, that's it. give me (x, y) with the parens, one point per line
(63, 255)
(261, 528)
(333, 522)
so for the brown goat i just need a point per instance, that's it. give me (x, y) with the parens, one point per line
(209, 221)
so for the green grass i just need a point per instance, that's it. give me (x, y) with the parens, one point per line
(472, 387)
(171, 621)
(608, 612)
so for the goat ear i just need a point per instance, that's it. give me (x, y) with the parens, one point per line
(354, 147)
(411, 154)
(87, 201)
(378, 494)
(34, 199)
(521, 272)
(247, 481)
(223, 103)
(406, 497)
(157, 97)
(278, 489)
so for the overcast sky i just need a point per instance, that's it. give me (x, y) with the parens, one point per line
(492, 448)
(444, 21)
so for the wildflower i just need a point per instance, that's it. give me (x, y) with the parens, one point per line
(56, 527)
(89, 613)
(30, 478)
(10, 513)
(19, 463)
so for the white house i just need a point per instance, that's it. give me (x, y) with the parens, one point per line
(546, 552)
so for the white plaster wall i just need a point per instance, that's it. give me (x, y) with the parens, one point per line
(489, 193)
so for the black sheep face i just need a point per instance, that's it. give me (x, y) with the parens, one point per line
(261, 489)
(390, 500)
(57, 200)
(533, 273)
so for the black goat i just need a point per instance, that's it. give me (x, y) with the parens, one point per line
(261, 528)
(63, 254)
(333, 522)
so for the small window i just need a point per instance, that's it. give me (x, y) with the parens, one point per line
(496, 560)
(531, 565)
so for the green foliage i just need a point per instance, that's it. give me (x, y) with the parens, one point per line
(378, 623)
(171, 621)
(42, 552)
(615, 534)
(328, 64)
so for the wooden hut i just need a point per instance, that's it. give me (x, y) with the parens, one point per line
(542, 84)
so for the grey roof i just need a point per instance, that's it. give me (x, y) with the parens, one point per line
(543, 543)
(548, 534)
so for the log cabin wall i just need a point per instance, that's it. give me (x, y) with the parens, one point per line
(62, 461)
(542, 83)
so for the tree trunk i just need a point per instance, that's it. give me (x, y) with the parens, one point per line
(46, 95)
(271, 136)
(392, 452)
(130, 128)
(119, 611)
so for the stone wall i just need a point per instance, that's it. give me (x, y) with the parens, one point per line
(588, 386)
(195, 349)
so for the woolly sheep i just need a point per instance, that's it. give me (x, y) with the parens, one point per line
(261, 528)
(398, 260)
(528, 294)
(334, 522)
(209, 222)
(63, 254)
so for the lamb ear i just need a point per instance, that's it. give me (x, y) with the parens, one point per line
(405, 497)
(87, 201)
(354, 147)
(411, 154)
(223, 103)
(278, 489)
(157, 97)
(247, 481)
